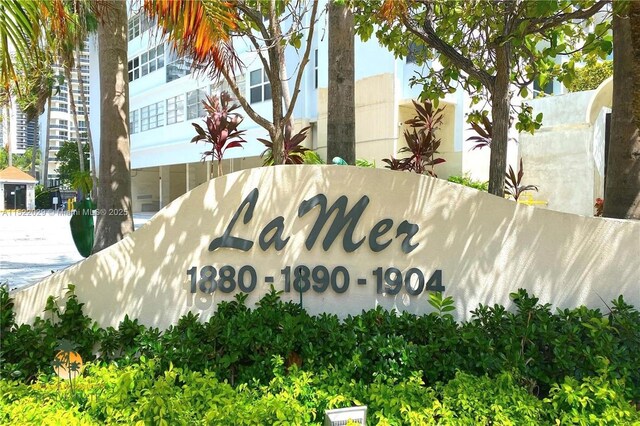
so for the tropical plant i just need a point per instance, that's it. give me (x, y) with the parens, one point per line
(203, 30)
(69, 163)
(484, 132)
(221, 127)
(365, 163)
(513, 183)
(312, 157)
(591, 75)
(466, 180)
(487, 48)
(422, 143)
(294, 152)
(21, 161)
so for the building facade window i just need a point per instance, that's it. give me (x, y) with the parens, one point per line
(60, 107)
(175, 109)
(152, 116)
(134, 69)
(134, 27)
(133, 122)
(152, 60)
(259, 86)
(195, 108)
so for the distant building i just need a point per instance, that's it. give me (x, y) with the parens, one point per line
(17, 130)
(61, 119)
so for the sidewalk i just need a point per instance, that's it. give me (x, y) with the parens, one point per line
(37, 243)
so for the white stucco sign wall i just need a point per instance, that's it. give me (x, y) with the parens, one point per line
(349, 239)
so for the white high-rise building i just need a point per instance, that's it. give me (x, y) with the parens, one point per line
(61, 119)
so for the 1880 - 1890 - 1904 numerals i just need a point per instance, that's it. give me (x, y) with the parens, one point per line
(319, 278)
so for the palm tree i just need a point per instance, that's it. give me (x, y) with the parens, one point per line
(20, 24)
(341, 132)
(66, 40)
(622, 192)
(114, 194)
(20, 30)
(83, 100)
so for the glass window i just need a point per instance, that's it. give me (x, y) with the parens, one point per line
(152, 60)
(175, 109)
(152, 116)
(195, 108)
(133, 122)
(134, 69)
(134, 27)
(259, 86)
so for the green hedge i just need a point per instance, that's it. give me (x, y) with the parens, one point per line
(571, 364)
(137, 394)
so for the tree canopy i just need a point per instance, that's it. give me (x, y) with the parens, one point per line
(488, 48)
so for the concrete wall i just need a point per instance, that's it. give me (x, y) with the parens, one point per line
(486, 247)
(565, 157)
(376, 118)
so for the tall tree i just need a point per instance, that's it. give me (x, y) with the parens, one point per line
(622, 192)
(66, 40)
(114, 195)
(487, 48)
(341, 108)
(83, 100)
(47, 146)
(204, 30)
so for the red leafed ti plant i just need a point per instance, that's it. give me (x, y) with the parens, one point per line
(422, 143)
(222, 127)
(293, 150)
(513, 183)
(484, 132)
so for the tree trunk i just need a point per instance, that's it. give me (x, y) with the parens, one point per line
(114, 195)
(34, 150)
(277, 69)
(341, 113)
(634, 21)
(500, 104)
(83, 99)
(45, 159)
(622, 192)
(74, 115)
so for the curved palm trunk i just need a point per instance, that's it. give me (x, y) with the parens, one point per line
(83, 99)
(115, 165)
(622, 192)
(634, 21)
(341, 112)
(74, 115)
(45, 160)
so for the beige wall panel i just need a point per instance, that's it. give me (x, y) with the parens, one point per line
(562, 167)
(145, 189)
(178, 183)
(485, 246)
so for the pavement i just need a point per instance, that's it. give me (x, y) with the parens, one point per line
(34, 244)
